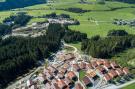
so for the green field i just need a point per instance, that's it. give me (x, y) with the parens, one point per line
(132, 86)
(99, 13)
(104, 18)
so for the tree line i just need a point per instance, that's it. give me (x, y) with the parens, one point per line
(5, 29)
(76, 10)
(106, 47)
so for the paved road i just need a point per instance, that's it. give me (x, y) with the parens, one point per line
(75, 49)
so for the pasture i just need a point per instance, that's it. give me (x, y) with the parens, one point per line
(101, 14)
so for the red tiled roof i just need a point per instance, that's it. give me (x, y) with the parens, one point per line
(99, 62)
(71, 74)
(119, 71)
(76, 67)
(63, 70)
(61, 84)
(52, 69)
(86, 80)
(114, 64)
(112, 73)
(94, 64)
(68, 80)
(54, 81)
(82, 65)
(78, 86)
(107, 77)
(106, 61)
(61, 75)
(125, 70)
(89, 65)
(100, 68)
(107, 65)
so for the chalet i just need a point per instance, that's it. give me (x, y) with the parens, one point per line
(78, 86)
(61, 84)
(92, 74)
(107, 77)
(87, 81)
(112, 73)
(68, 81)
(101, 69)
(76, 67)
(99, 62)
(89, 66)
(125, 70)
(72, 75)
(54, 86)
(61, 75)
(114, 65)
(94, 64)
(106, 61)
(119, 71)
(63, 70)
(107, 66)
(53, 69)
(83, 65)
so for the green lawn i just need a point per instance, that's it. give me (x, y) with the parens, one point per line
(132, 86)
(82, 74)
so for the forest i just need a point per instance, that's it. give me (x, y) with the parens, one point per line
(4, 29)
(12, 4)
(116, 41)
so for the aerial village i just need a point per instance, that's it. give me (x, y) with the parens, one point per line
(71, 70)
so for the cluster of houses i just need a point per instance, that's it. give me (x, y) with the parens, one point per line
(67, 77)
(100, 68)
(54, 78)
